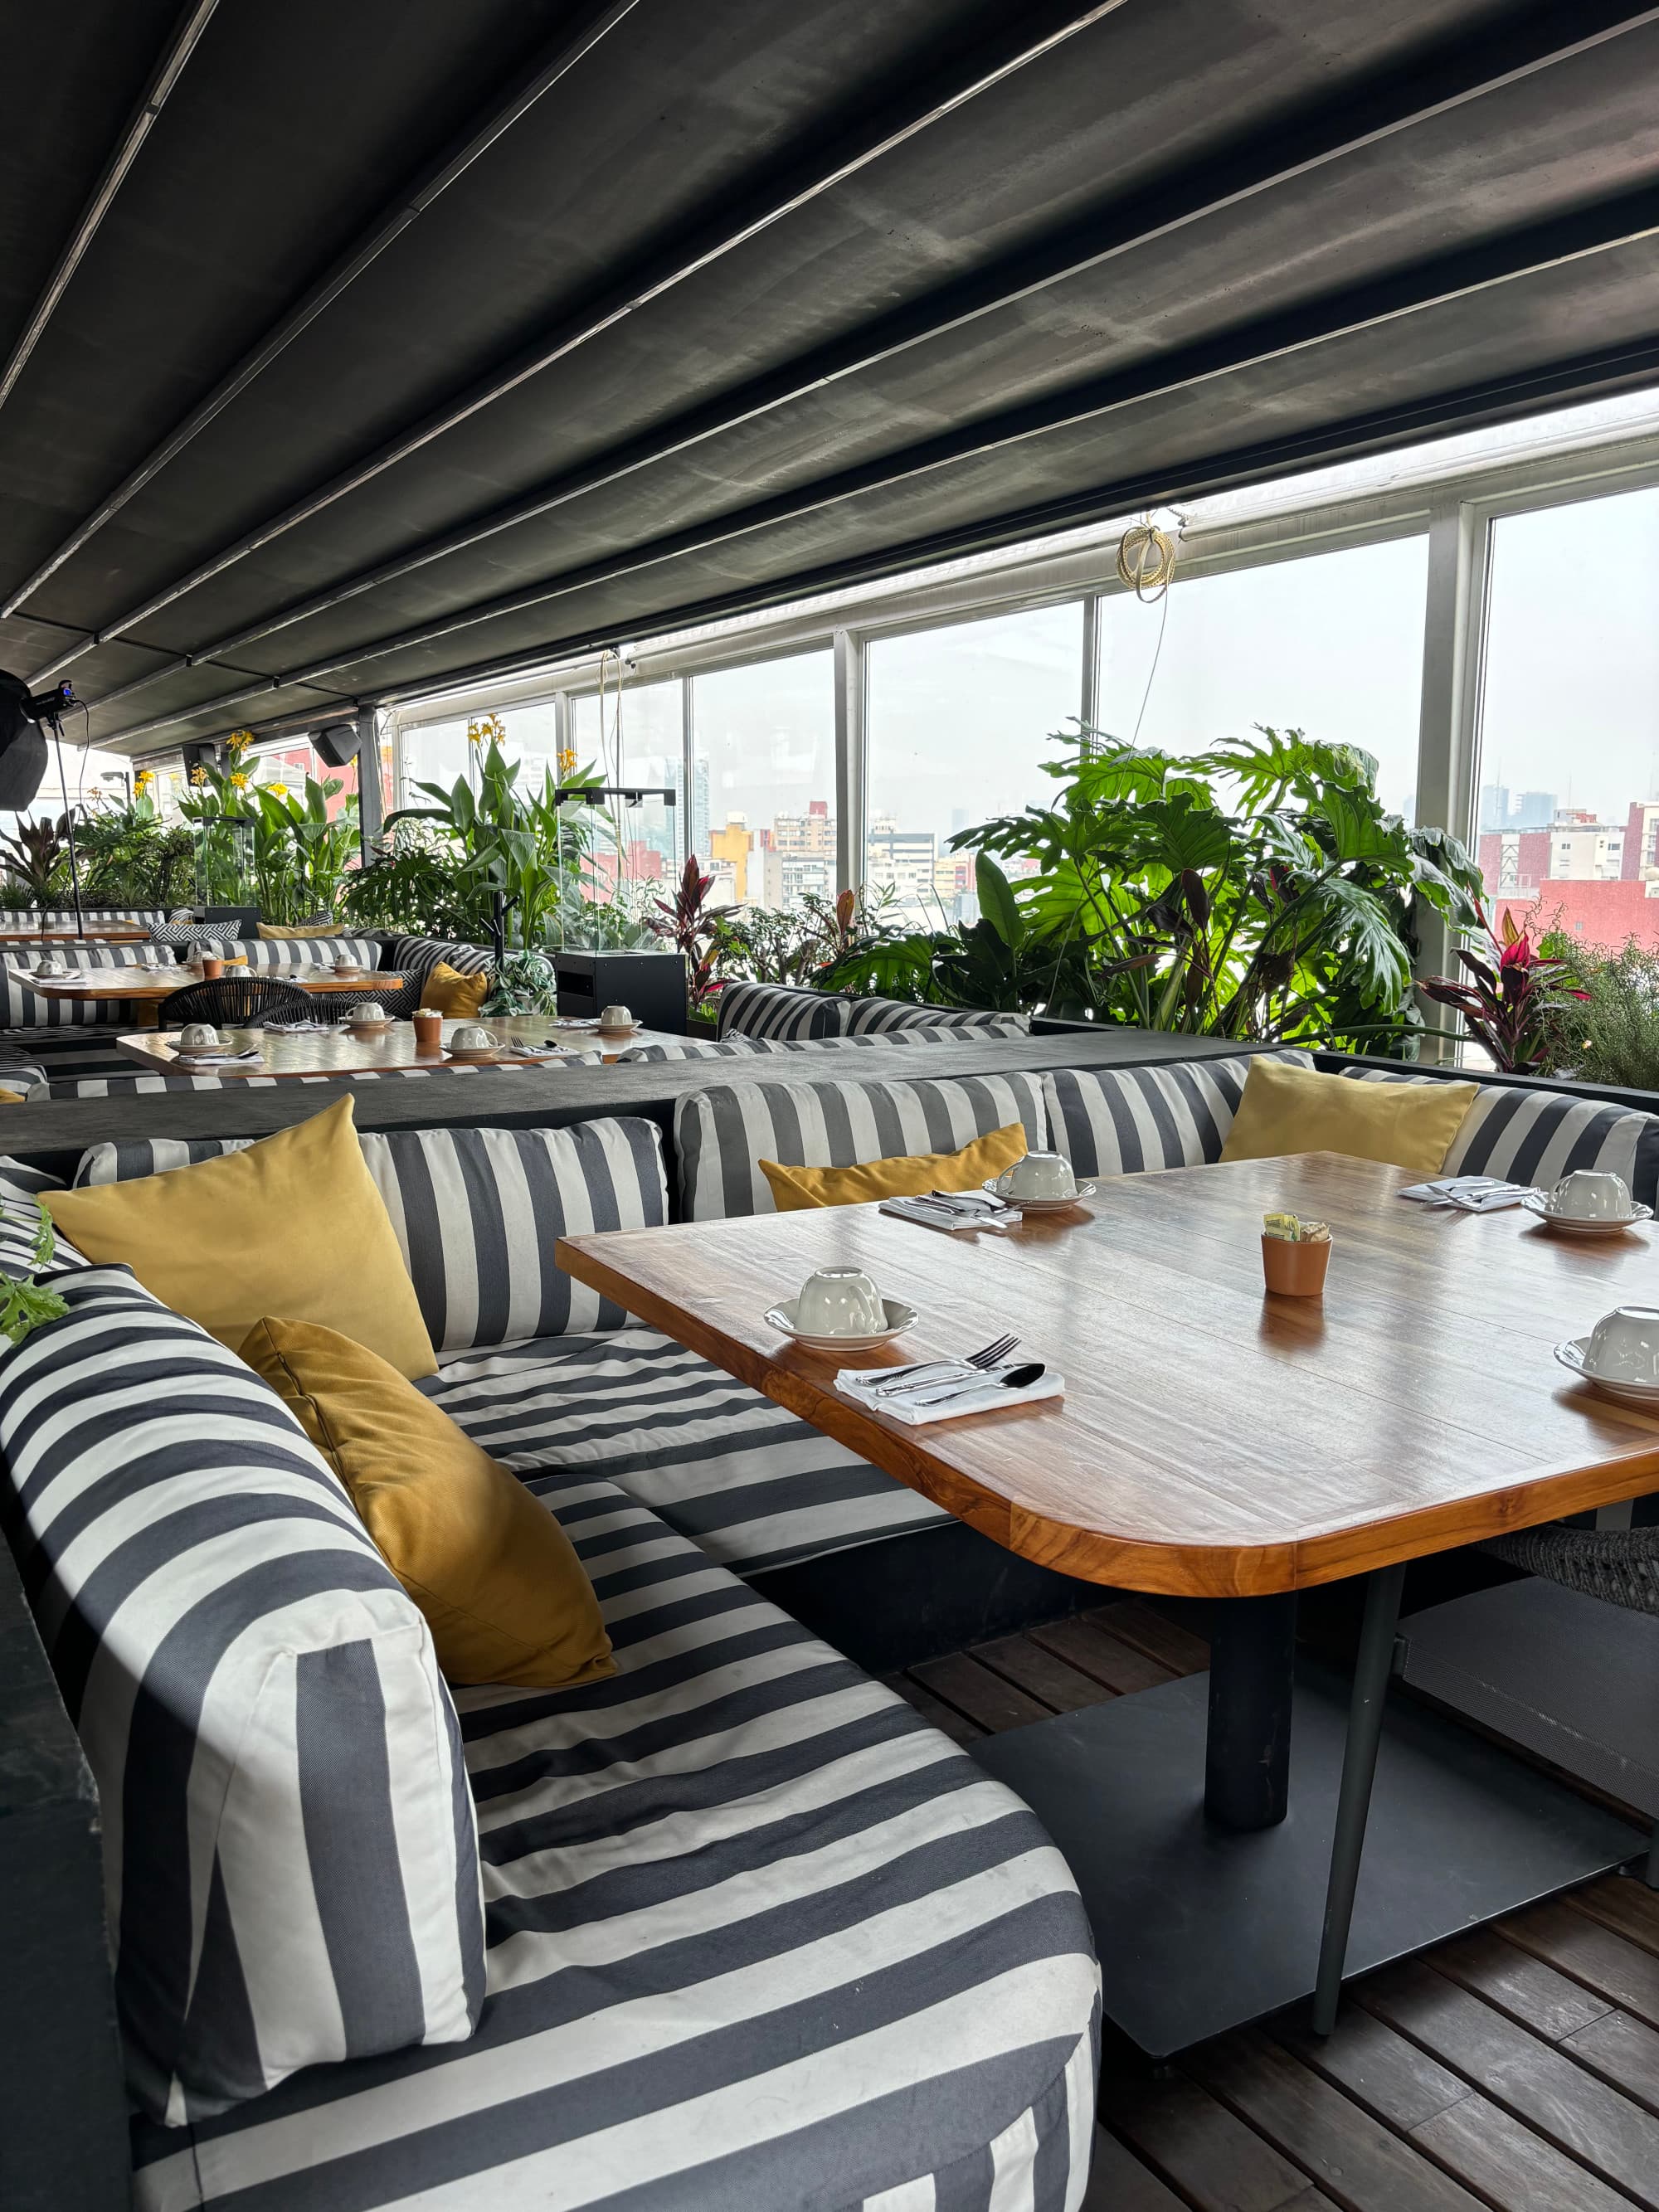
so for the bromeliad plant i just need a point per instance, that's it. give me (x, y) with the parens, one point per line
(1512, 1008)
(1259, 890)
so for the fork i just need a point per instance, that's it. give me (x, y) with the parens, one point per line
(987, 1357)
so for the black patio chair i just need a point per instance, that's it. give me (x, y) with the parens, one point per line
(236, 1002)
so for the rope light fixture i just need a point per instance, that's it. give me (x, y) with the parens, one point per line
(1146, 560)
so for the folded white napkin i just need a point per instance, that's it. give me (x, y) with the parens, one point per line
(927, 1213)
(860, 1385)
(305, 1029)
(1469, 1193)
(218, 1058)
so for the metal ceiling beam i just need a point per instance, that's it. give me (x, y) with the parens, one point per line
(1035, 32)
(1527, 250)
(1428, 85)
(186, 33)
(406, 206)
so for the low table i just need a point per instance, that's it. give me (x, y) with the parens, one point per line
(1220, 1443)
(341, 1053)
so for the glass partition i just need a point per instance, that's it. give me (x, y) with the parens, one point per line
(763, 815)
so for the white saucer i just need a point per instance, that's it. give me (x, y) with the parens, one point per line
(1042, 1205)
(633, 1030)
(899, 1318)
(1644, 1395)
(1576, 1225)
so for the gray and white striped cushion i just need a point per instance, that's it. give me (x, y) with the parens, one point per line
(881, 1017)
(419, 956)
(21, 1187)
(134, 1085)
(291, 1853)
(96, 917)
(759, 1938)
(1128, 1120)
(132, 1161)
(277, 955)
(750, 1483)
(478, 1211)
(22, 1008)
(751, 1047)
(1535, 1136)
(777, 1010)
(721, 1135)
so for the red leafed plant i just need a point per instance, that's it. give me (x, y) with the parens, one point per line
(1507, 1007)
(685, 923)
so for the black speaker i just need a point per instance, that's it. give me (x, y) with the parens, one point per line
(23, 745)
(197, 756)
(337, 744)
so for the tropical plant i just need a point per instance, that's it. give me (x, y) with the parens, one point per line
(1608, 1032)
(302, 852)
(130, 856)
(1511, 1008)
(524, 983)
(216, 806)
(798, 944)
(24, 1303)
(697, 932)
(1257, 891)
(36, 858)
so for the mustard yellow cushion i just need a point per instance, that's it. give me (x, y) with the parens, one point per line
(502, 1590)
(1286, 1108)
(910, 1175)
(446, 991)
(11, 1098)
(293, 1225)
(273, 935)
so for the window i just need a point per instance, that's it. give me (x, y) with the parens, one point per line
(959, 722)
(635, 740)
(1330, 643)
(1567, 821)
(763, 784)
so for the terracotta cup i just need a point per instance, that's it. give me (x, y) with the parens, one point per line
(428, 1031)
(1295, 1271)
(211, 967)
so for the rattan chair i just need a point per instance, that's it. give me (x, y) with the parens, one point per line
(236, 1002)
(1618, 1565)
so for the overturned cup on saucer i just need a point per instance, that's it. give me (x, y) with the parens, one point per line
(1624, 1347)
(471, 1037)
(1036, 1175)
(1590, 1195)
(616, 1018)
(200, 1037)
(840, 1302)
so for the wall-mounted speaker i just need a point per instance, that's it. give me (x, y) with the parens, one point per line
(338, 743)
(203, 755)
(22, 746)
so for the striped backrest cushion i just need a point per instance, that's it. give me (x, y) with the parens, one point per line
(478, 1211)
(269, 955)
(96, 917)
(22, 1007)
(721, 1135)
(878, 1016)
(1127, 1120)
(1529, 1135)
(138, 1156)
(290, 1842)
(776, 1010)
(20, 1216)
(746, 1048)
(419, 956)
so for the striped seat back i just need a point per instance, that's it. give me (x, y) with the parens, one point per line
(1127, 1120)
(721, 1135)
(777, 1010)
(885, 1017)
(22, 1008)
(1529, 1134)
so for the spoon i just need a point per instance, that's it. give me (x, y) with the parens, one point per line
(1010, 1378)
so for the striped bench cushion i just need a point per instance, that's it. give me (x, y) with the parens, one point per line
(20, 1185)
(290, 1843)
(752, 1047)
(97, 917)
(883, 1016)
(721, 1135)
(750, 1483)
(477, 1213)
(1128, 1120)
(778, 1010)
(133, 1083)
(22, 1008)
(419, 956)
(757, 1937)
(1531, 1135)
(277, 955)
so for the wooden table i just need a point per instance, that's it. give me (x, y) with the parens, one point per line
(343, 1054)
(120, 986)
(1215, 1441)
(56, 937)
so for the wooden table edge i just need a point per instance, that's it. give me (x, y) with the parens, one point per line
(1176, 1570)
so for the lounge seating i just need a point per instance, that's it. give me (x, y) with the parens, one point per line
(782, 1011)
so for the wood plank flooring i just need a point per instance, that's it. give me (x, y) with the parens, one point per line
(1515, 2068)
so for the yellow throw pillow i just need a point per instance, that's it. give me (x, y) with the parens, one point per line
(446, 991)
(293, 1225)
(498, 1580)
(909, 1174)
(271, 934)
(1286, 1108)
(11, 1098)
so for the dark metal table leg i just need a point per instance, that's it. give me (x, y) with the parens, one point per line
(1247, 1761)
(1370, 1690)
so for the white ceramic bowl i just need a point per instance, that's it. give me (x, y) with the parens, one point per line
(1039, 1175)
(896, 1318)
(1624, 1347)
(840, 1302)
(1588, 1194)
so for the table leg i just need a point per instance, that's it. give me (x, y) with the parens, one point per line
(1353, 1802)
(1247, 1760)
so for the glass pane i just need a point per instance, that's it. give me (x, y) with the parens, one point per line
(1330, 644)
(763, 800)
(959, 722)
(1568, 818)
(432, 752)
(635, 740)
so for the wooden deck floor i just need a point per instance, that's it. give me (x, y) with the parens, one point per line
(1516, 2068)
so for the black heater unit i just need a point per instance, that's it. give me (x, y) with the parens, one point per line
(651, 985)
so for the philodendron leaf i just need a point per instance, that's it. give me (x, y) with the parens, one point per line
(996, 901)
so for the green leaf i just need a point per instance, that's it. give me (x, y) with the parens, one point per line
(996, 901)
